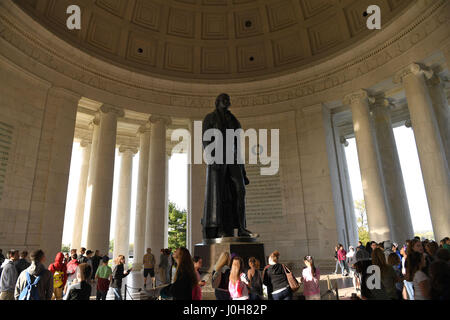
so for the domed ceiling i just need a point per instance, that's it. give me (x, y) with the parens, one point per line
(212, 39)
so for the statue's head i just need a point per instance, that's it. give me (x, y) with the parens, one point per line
(223, 101)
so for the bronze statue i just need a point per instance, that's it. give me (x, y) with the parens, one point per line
(224, 208)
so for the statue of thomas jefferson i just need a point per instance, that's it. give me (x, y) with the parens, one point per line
(224, 208)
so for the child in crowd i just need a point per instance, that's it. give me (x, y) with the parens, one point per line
(310, 279)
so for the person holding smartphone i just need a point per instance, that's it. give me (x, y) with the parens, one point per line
(118, 274)
(201, 283)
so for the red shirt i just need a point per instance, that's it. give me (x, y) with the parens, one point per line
(342, 254)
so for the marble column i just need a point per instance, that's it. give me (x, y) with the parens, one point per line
(156, 195)
(122, 228)
(432, 158)
(436, 86)
(166, 209)
(81, 195)
(141, 198)
(102, 182)
(372, 180)
(196, 190)
(400, 218)
(95, 127)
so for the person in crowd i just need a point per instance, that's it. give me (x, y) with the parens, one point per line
(417, 246)
(387, 248)
(396, 250)
(36, 269)
(443, 255)
(336, 249)
(72, 252)
(163, 265)
(446, 244)
(9, 276)
(82, 256)
(201, 283)
(362, 263)
(415, 265)
(440, 280)
(342, 256)
(368, 247)
(72, 268)
(89, 256)
(118, 273)
(149, 267)
(185, 280)
(66, 258)
(22, 263)
(221, 275)
(310, 279)
(103, 276)
(388, 276)
(394, 261)
(59, 271)
(255, 279)
(170, 266)
(96, 259)
(431, 248)
(238, 284)
(351, 259)
(275, 279)
(360, 246)
(403, 259)
(80, 289)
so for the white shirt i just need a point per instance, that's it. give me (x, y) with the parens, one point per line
(418, 278)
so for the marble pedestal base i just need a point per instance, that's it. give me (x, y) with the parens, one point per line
(245, 248)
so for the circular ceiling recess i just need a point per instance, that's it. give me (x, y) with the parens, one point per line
(195, 40)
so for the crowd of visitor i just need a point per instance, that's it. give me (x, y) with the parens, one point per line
(417, 270)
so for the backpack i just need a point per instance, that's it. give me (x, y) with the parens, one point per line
(58, 279)
(30, 292)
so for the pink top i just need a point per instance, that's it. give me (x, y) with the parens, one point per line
(342, 254)
(239, 290)
(310, 283)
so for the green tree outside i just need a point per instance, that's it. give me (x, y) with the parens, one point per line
(361, 219)
(65, 247)
(177, 226)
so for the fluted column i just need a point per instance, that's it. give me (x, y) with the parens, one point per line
(436, 86)
(102, 182)
(141, 198)
(166, 201)
(154, 233)
(95, 127)
(196, 189)
(372, 180)
(122, 228)
(432, 158)
(81, 196)
(400, 218)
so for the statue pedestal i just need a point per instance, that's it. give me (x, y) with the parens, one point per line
(244, 247)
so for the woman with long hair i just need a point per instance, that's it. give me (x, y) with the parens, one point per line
(415, 273)
(118, 274)
(80, 289)
(394, 261)
(185, 280)
(310, 279)
(275, 279)
(388, 276)
(254, 279)
(238, 284)
(197, 295)
(221, 275)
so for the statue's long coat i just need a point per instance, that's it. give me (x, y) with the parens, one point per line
(219, 207)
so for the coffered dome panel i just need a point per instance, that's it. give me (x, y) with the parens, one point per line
(202, 40)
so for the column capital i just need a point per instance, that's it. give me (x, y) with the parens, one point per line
(436, 80)
(154, 118)
(124, 148)
(413, 68)
(380, 101)
(106, 108)
(358, 96)
(144, 128)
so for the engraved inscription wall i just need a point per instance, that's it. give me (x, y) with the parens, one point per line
(263, 197)
(6, 132)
